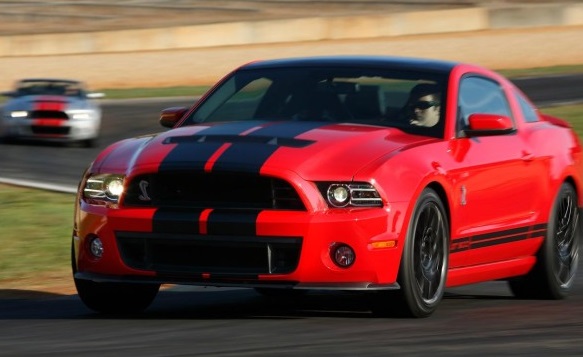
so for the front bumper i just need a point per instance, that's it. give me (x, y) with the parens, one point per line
(51, 130)
(285, 249)
(362, 286)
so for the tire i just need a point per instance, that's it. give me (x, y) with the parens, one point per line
(9, 140)
(424, 263)
(85, 143)
(113, 298)
(554, 272)
(89, 143)
(116, 298)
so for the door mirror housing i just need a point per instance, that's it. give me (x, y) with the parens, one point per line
(489, 124)
(170, 116)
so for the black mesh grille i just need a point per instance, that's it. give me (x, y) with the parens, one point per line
(40, 129)
(48, 114)
(201, 190)
(176, 255)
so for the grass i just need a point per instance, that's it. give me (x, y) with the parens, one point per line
(180, 91)
(36, 226)
(572, 113)
(541, 71)
(35, 235)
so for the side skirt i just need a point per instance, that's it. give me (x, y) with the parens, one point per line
(491, 271)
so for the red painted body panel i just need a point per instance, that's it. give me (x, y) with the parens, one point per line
(497, 189)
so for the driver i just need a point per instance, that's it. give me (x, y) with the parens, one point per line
(424, 105)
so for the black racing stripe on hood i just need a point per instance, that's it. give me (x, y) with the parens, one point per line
(233, 222)
(250, 157)
(194, 154)
(178, 221)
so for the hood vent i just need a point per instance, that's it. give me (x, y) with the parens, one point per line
(250, 139)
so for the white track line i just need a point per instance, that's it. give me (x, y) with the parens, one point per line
(39, 185)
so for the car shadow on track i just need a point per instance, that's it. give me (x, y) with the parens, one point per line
(218, 303)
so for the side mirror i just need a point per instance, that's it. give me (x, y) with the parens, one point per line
(489, 124)
(170, 116)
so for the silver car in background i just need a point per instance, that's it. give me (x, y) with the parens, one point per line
(46, 109)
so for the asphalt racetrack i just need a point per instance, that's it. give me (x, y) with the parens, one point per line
(482, 319)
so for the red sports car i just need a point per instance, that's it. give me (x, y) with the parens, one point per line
(397, 176)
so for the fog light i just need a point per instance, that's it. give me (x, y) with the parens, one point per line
(96, 247)
(342, 255)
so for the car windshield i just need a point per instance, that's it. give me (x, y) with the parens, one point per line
(49, 87)
(340, 95)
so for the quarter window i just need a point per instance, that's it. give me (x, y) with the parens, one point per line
(529, 113)
(480, 95)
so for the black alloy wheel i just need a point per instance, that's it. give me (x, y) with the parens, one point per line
(553, 275)
(424, 264)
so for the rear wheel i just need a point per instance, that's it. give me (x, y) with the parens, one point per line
(554, 272)
(424, 264)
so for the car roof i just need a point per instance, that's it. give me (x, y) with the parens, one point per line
(56, 80)
(397, 63)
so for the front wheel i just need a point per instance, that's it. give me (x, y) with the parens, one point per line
(424, 263)
(116, 298)
(554, 272)
(113, 298)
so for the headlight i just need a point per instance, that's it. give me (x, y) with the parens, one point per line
(19, 114)
(350, 194)
(338, 195)
(79, 114)
(103, 189)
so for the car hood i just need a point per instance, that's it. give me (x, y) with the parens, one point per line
(313, 150)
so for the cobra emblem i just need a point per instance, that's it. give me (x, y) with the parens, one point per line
(144, 189)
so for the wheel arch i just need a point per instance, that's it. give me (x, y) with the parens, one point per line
(441, 192)
(576, 184)
(571, 180)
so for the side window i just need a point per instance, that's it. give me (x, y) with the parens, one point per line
(529, 113)
(480, 95)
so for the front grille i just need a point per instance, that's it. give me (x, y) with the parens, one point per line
(58, 130)
(48, 114)
(211, 190)
(190, 254)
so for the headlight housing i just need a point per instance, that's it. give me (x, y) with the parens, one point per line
(19, 114)
(80, 114)
(350, 194)
(103, 189)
